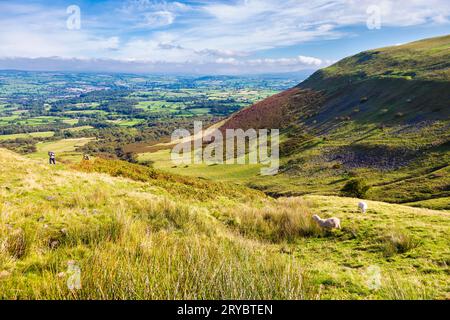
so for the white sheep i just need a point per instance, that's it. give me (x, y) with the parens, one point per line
(331, 223)
(362, 206)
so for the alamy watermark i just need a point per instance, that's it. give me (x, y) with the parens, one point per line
(228, 146)
(74, 276)
(373, 277)
(73, 22)
(374, 19)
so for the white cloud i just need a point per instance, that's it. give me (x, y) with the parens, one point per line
(225, 34)
(221, 66)
(151, 13)
(159, 19)
(221, 53)
(240, 12)
(284, 64)
(111, 43)
(309, 61)
(261, 24)
(231, 61)
(133, 6)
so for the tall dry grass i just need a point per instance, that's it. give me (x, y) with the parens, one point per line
(136, 239)
(282, 220)
(139, 248)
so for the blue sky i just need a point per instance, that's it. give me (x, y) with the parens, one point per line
(208, 37)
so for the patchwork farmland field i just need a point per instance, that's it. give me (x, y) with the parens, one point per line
(119, 110)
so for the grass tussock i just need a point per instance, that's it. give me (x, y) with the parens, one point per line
(171, 216)
(90, 231)
(399, 288)
(15, 243)
(284, 220)
(396, 241)
(94, 199)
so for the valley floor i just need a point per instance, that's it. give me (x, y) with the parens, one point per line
(404, 164)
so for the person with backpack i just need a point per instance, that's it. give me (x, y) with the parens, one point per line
(52, 157)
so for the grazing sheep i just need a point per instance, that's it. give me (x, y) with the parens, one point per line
(362, 206)
(331, 223)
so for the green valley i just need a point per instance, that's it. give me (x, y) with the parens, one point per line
(357, 119)
(359, 208)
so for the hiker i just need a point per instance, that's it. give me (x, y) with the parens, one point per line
(52, 157)
(86, 157)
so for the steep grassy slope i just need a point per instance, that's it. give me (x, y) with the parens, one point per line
(410, 83)
(136, 233)
(420, 60)
(382, 115)
(401, 84)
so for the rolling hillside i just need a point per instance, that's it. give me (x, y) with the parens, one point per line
(136, 233)
(382, 115)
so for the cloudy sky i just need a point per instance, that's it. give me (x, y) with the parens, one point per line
(208, 37)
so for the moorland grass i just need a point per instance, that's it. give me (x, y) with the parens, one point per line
(135, 238)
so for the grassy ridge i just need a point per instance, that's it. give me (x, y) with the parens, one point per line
(400, 84)
(426, 60)
(138, 236)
